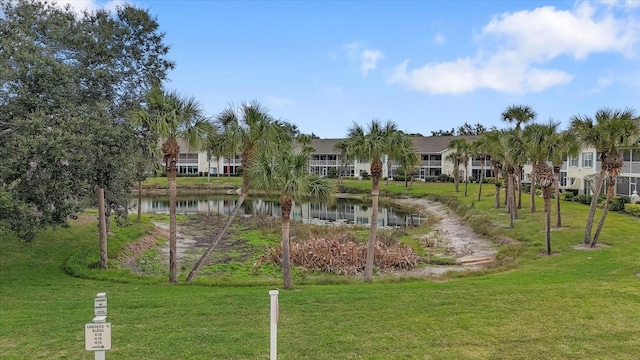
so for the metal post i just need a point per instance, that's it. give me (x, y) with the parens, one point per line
(274, 324)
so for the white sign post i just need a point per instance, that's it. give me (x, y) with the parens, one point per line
(97, 335)
(274, 324)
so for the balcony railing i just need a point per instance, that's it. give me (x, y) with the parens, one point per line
(325, 162)
(431, 163)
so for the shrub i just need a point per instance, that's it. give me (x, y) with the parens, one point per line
(489, 180)
(632, 209)
(332, 173)
(444, 178)
(365, 175)
(617, 203)
(582, 199)
(567, 196)
(431, 179)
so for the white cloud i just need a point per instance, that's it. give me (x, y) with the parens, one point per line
(278, 102)
(513, 47)
(439, 39)
(369, 60)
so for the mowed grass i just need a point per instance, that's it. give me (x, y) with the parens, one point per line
(572, 305)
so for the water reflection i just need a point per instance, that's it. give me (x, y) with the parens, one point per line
(344, 211)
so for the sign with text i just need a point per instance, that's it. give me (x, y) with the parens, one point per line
(100, 306)
(97, 336)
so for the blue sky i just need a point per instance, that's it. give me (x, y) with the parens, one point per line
(426, 65)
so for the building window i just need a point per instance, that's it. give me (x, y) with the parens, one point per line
(587, 159)
(573, 161)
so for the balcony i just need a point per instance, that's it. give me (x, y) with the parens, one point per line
(431, 163)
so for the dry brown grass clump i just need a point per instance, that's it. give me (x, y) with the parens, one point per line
(338, 255)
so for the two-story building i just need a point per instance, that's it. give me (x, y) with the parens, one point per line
(432, 150)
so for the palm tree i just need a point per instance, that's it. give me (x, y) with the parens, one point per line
(491, 142)
(403, 152)
(562, 145)
(247, 129)
(512, 150)
(536, 150)
(480, 150)
(408, 160)
(171, 117)
(341, 146)
(608, 133)
(288, 174)
(459, 156)
(214, 145)
(518, 115)
(538, 139)
(371, 144)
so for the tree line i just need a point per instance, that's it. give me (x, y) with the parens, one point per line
(546, 147)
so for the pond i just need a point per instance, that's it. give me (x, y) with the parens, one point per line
(347, 211)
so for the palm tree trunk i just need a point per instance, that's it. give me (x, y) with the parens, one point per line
(546, 193)
(466, 178)
(507, 188)
(532, 189)
(556, 186)
(139, 201)
(209, 171)
(592, 208)
(511, 206)
(456, 176)
(481, 179)
(102, 229)
(173, 261)
(496, 175)
(519, 185)
(286, 252)
(376, 167)
(610, 190)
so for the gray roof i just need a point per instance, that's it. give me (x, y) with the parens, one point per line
(436, 144)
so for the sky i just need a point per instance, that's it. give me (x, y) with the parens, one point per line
(425, 65)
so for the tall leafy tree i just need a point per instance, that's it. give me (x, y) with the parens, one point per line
(173, 117)
(480, 150)
(247, 129)
(492, 144)
(538, 140)
(72, 79)
(345, 158)
(408, 160)
(370, 144)
(401, 151)
(608, 131)
(512, 150)
(459, 156)
(562, 145)
(537, 151)
(518, 115)
(287, 173)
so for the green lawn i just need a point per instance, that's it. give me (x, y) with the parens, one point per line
(573, 305)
